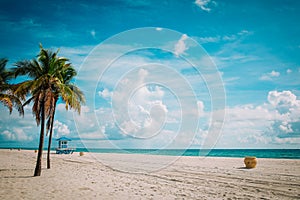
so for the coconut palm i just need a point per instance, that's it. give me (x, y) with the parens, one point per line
(45, 83)
(6, 94)
(69, 93)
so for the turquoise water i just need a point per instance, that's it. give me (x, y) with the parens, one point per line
(259, 153)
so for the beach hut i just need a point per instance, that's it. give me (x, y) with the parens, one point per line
(63, 146)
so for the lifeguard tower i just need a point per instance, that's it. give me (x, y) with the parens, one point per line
(63, 146)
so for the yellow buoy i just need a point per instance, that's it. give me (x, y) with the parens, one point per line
(250, 162)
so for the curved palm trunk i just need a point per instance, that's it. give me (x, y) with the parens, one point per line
(50, 136)
(38, 167)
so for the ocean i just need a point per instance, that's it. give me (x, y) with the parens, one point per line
(259, 153)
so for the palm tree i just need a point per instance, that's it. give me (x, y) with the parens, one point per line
(45, 74)
(6, 94)
(69, 93)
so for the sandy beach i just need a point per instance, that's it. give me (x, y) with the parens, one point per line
(120, 176)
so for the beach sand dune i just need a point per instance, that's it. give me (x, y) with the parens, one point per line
(127, 176)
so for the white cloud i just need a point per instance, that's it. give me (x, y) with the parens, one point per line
(8, 135)
(96, 135)
(244, 32)
(141, 113)
(85, 109)
(284, 101)
(224, 38)
(285, 141)
(285, 127)
(282, 98)
(252, 121)
(60, 129)
(180, 46)
(105, 93)
(229, 37)
(203, 40)
(289, 71)
(274, 74)
(16, 128)
(270, 76)
(146, 100)
(204, 4)
(17, 134)
(271, 123)
(254, 139)
(265, 78)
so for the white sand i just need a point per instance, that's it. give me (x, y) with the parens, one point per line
(75, 177)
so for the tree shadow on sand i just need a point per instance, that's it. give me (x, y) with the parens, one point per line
(16, 173)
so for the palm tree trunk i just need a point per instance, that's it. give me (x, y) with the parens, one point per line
(50, 136)
(38, 167)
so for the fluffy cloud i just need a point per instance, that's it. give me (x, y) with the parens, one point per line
(285, 127)
(17, 134)
(288, 106)
(271, 123)
(270, 76)
(132, 94)
(284, 102)
(204, 4)
(60, 129)
(246, 124)
(138, 108)
(16, 128)
(274, 74)
(180, 46)
(105, 93)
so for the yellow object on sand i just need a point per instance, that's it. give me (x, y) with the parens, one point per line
(250, 162)
(81, 153)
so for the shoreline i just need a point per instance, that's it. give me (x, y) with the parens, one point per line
(113, 177)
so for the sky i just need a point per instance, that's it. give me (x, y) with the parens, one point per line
(164, 73)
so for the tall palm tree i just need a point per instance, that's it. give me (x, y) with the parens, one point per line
(69, 93)
(38, 87)
(45, 74)
(6, 94)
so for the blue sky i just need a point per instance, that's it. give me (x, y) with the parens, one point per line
(208, 73)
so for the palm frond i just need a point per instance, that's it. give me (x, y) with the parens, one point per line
(11, 101)
(7, 102)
